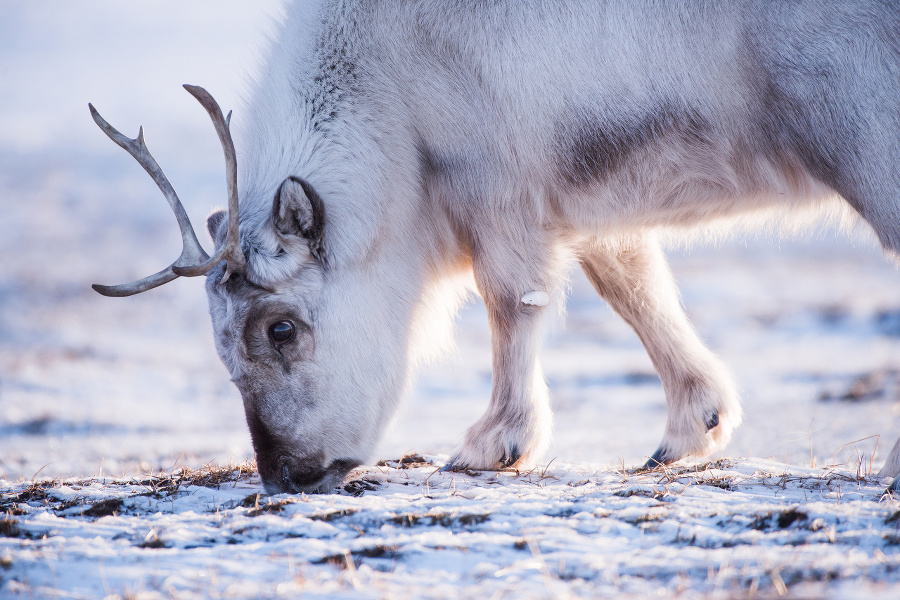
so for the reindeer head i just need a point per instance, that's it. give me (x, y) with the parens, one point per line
(312, 418)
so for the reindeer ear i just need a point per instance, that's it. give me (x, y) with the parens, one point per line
(298, 210)
(214, 223)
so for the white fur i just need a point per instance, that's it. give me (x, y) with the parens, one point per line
(503, 138)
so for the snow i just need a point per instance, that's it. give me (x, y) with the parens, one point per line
(560, 531)
(112, 409)
(536, 298)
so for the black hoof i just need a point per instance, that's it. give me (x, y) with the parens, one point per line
(449, 468)
(659, 459)
(511, 459)
(712, 421)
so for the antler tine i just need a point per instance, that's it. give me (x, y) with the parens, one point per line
(231, 250)
(191, 253)
(136, 287)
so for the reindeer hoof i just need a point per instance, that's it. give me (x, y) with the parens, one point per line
(712, 421)
(660, 458)
(512, 458)
(506, 461)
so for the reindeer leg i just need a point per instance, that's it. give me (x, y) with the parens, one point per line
(891, 467)
(631, 274)
(515, 429)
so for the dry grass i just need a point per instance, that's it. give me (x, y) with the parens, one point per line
(157, 485)
(210, 476)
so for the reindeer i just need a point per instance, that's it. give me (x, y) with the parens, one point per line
(395, 150)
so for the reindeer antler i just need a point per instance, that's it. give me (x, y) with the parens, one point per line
(193, 260)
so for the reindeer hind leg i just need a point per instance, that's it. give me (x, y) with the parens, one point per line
(631, 274)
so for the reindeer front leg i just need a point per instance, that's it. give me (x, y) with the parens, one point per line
(631, 274)
(515, 282)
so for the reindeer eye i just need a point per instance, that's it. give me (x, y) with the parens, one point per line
(281, 332)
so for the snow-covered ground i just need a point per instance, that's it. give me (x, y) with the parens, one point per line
(103, 401)
(726, 528)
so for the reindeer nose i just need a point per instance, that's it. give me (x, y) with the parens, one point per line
(302, 474)
(308, 475)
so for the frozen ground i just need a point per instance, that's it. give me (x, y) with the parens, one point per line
(725, 529)
(102, 401)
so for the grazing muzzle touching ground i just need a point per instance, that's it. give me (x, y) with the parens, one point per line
(294, 475)
(285, 467)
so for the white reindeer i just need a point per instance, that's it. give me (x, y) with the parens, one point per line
(394, 147)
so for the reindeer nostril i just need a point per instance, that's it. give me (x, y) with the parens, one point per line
(285, 473)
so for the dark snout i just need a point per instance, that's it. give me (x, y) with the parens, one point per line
(285, 468)
(293, 475)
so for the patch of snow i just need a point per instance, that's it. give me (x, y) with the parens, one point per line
(536, 298)
(569, 530)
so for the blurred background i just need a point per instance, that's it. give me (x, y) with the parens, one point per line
(90, 385)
